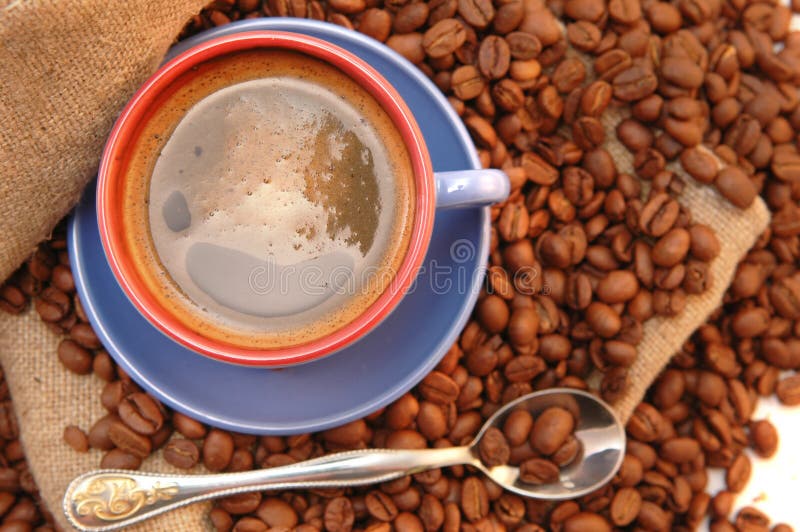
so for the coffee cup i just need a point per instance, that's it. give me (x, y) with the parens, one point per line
(267, 198)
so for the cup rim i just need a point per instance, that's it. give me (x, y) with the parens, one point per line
(110, 178)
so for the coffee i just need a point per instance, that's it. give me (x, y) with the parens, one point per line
(269, 199)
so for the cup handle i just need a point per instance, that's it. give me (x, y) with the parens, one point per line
(470, 188)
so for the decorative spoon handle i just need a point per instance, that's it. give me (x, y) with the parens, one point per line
(110, 499)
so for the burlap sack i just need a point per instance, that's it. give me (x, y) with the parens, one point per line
(67, 70)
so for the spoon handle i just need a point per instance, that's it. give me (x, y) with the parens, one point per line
(110, 499)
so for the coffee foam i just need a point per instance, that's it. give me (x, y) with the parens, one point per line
(244, 184)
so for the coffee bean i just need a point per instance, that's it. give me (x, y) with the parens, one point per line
(493, 448)
(750, 518)
(477, 13)
(277, 513)
(439, 388)
(585, 521)
(538, 471)
(584, 35)
(141, 413)
(523, 45)
(411, 46)
(128, 440)
(474, 499)
(634, 83)
(52, 305)
(551, 429)
(119, 459)
(567, 453)
(403, 412)
(735, 186)
(194, 430)
(658, 215)
(443, 38)
(671, 248)
(603, 319)
(410, 17)
(377, 23)
(494, 57)
(12, 299)
(380, 506)
(625, 506)
(217, 450)
(74, 357)
(517, 427)
(76, 438)
(738, 474)
(405, 439)
(431, 421)
(242, 503)
(182, 453)
(617, 287)
(508, 17)
(788, 390)
(348, 434)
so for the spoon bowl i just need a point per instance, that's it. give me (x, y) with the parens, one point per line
(112, 499)
(597, 428)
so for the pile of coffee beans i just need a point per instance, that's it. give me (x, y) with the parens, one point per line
(582, 254)
(540, 446)
(20, 506)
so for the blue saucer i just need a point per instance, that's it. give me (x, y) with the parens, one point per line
(351, 383)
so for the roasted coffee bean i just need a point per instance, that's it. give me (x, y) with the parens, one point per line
(339, 515)
(494, 57)
(381, 506)
(671, 248)
(98, 433)
(567, 453)
(603, 319)
(538, 471)
(466, 82)
(634, 83)
(431, 421)
(74, 357)
(119, 459)
(517, 427)
(277, 513)
(738, 474)
(439, 388)
(52, 304)
(217, 450)
(477, 13)
(523, 45)
(128, 440)
(788, 390)
(76, 438)
(617, 286)
(751, 519)
(474, 499)
(410, 17)
(764, 437)
(735, 186)
(402, 412)
(494, 449)
(187, 426)
(551, 429)
(182, 453)
(141, 413)
(585, 521)
(83, 334)
(412, 47)
(443, 38)
(625, 506)
(658, 215)
(242, 503)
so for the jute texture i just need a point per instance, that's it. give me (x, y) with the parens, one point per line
(68, 68)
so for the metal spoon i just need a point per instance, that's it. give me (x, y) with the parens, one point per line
(111, 499)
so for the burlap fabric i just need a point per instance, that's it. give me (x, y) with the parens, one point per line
(68, 67)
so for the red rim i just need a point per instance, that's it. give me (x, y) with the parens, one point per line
(109, 191)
